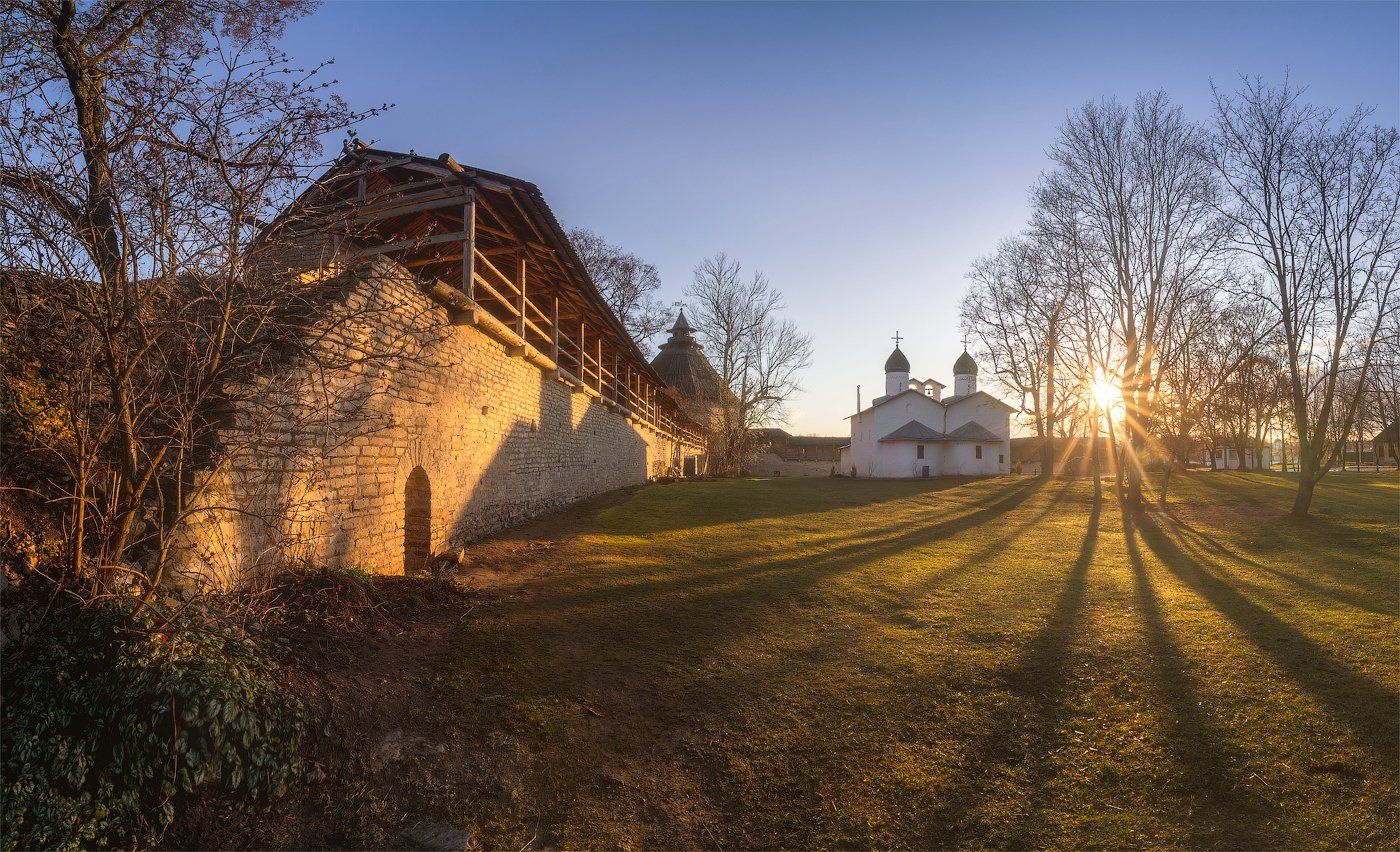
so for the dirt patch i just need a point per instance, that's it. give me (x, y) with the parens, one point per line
(514, 557)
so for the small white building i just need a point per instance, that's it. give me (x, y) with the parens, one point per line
(914, 431)
(1228, 458)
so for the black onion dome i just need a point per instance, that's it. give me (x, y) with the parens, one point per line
(896, 363)
(964, 366)
(684, 366)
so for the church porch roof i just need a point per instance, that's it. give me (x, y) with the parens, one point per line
(973, 432)
(914, 431)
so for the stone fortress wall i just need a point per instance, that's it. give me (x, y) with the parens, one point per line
(463, 440)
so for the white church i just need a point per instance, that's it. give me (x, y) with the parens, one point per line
(913, 430)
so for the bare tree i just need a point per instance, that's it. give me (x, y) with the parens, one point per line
(1133, 178)
(759, 355)
(1315, 200)
(628, 284)
(1016, 311)
(150, 330)
(1385, 389)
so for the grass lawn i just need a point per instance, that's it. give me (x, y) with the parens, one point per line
(834, 662)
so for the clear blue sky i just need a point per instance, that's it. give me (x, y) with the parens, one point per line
(860, 155)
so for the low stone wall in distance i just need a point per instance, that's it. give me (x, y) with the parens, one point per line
(771, 464)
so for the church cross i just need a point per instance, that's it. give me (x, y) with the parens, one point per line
(897, 338)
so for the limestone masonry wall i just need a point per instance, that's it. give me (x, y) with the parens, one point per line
(461, 440)
(772, 464)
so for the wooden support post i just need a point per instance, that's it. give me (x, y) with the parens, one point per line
(582, 354)
(520, 300)
(599, 362)
(554, 331)
(469, 247)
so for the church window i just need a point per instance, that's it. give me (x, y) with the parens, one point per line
(1001, 458)
(920, 449)
(979, 451)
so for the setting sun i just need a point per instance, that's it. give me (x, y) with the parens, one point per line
(1107, 394)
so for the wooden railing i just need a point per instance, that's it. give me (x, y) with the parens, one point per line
(528, 322)
(577, 354)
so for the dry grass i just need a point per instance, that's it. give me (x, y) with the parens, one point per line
(819, 663)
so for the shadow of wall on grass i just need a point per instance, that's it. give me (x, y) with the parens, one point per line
(698, 508)
(716, 585)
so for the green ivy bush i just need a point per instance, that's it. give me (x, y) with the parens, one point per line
(112, 720)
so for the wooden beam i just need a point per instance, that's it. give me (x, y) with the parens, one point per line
(582, 352)
(555, 329)
(520, 298)
(390, 210)
(469, 245)
(401, 245)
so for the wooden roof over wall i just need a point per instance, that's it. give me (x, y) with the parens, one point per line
(416, 210)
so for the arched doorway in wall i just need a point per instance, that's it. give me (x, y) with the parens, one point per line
(417, 521)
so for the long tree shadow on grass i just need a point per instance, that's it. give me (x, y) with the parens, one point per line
(1027, 728)
(736, 501)
(1195, 738)
(814, 565)
(1363, 600)
(1366, 708)
(748, 608)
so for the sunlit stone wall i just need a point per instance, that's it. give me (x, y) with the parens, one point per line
(461, 432)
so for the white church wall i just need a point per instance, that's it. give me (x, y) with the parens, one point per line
(896, 460)
(960, 459)
(981, 410)
(996, 419)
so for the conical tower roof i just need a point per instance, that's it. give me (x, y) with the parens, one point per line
(683, 364)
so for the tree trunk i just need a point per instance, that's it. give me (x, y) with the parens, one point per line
(1047, 449)
(1094, 460)
(1306, 483)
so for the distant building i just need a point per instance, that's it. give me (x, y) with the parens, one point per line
(914, 431)
(1386, 444)
(693, 380)
(1229, 458)
(782, 454)
(1073, 455)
